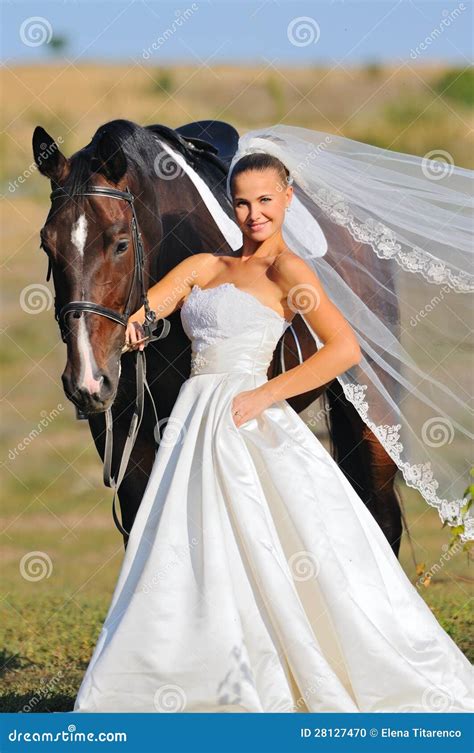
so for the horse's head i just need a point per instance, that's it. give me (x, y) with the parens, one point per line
(91, 241)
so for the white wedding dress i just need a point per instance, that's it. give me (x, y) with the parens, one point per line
(255, 579)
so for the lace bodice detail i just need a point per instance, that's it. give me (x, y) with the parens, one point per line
(209, 315)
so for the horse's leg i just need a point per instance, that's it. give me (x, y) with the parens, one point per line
(365, 463)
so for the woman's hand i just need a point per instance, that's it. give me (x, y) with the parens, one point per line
(133, 335)
(249, 404)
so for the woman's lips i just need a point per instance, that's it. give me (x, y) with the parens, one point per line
(259, 225)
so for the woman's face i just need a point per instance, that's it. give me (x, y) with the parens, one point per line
(260, 201)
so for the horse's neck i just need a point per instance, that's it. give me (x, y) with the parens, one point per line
(185, 226)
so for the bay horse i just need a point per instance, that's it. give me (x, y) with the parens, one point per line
(89, 238)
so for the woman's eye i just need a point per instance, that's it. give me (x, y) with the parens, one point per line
(265, 198)
(122, 246)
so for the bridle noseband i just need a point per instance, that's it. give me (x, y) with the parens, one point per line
(138, 269)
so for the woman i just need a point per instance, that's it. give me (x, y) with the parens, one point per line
(255, 579)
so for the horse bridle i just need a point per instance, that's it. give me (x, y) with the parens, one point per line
(120, 318)
(138, 268)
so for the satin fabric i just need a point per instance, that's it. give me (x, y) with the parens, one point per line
(255, 579)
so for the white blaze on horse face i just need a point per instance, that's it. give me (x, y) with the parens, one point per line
(79, 234)
(87, 378)
(78, 240)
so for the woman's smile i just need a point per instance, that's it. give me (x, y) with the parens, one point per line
(258, 225)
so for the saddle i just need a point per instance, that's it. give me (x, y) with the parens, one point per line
(212, 135)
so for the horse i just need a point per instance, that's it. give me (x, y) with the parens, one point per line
(123, 193)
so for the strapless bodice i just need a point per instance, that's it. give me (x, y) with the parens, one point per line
(230, 330)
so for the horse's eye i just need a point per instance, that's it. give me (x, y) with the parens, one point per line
(122, 246)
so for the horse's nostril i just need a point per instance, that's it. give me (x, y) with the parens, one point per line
(98, 386)
(105, 383)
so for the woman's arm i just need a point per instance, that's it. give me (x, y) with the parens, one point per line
(166, 295)
(341, 349)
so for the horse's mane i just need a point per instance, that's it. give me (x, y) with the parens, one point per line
(141, 146)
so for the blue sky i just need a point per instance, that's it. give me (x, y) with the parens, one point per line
(288, 32)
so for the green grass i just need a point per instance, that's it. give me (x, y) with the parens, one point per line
(458, 86)
(48, 644)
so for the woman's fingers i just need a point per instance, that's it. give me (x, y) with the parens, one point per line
(134, 336)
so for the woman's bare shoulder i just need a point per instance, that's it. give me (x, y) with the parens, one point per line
(199, 267)
(292, 269)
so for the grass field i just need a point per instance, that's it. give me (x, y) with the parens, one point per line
(53, 499)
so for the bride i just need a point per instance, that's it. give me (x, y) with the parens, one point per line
(255, 579)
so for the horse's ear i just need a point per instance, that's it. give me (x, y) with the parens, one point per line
(50, 161)
(111, 158)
